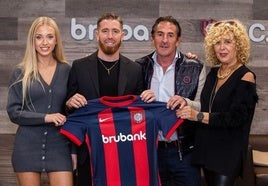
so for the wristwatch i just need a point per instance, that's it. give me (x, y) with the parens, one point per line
(200, 116)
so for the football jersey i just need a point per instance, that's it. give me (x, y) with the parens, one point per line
(121, 135)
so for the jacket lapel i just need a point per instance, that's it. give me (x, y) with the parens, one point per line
(123, 77)
(93, 72)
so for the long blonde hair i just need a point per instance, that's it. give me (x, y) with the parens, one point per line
(28, 65)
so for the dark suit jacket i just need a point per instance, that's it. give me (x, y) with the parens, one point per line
(83, 78)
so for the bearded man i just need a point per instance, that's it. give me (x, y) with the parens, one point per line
(104, 73)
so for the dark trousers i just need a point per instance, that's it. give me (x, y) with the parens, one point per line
(176, 172)
(83, 166)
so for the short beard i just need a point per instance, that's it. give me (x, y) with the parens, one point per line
(109, 50)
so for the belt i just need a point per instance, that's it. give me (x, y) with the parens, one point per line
(168, 144)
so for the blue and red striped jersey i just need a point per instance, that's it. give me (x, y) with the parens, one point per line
(121, 134)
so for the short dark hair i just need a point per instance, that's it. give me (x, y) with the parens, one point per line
(166, 19)
(111, 16)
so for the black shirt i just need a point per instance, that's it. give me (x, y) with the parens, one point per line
(108, 77)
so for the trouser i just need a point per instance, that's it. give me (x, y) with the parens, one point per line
(215, 179)
(176, 172)
(83, 166)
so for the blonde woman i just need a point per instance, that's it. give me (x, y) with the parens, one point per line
(36, 100)
(228, 102)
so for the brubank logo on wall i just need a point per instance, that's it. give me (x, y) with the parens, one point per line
(140, 32)
(81, 32)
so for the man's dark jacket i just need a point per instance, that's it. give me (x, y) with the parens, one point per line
(187, 73)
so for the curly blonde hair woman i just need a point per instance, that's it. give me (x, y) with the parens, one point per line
(233, 28)
(228, 102)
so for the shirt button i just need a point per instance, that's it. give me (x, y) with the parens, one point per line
(45, 133)
(43, 146)
(50, 91)
(48, 106)
(43, 157)
(43, 170)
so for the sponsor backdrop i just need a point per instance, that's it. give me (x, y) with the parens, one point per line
(77, 21)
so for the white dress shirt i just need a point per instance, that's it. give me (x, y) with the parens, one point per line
(162, 84)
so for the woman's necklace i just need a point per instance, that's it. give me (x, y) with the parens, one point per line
(108, 69)
(226, 74)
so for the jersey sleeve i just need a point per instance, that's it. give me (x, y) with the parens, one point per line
(168, 122)
(74, 129)
(166, 119)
